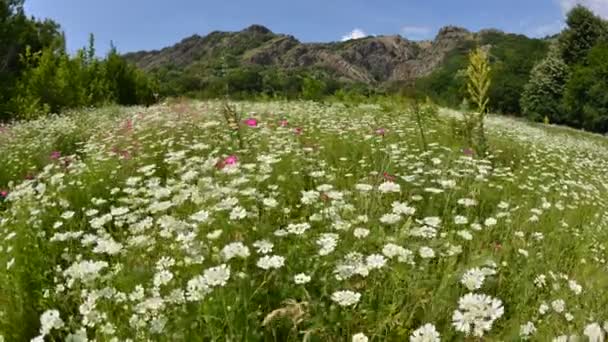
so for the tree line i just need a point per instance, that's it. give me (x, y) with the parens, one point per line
(38, 76)
(570, 85)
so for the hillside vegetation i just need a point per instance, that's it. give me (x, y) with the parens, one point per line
(38, 76)
(299, 221)
(256, 61)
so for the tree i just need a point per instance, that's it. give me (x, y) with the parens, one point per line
(586, 92)
(584, 30)
(121, 77)
(17, 32)
(39, 88)
(512, 58)
(543, 93)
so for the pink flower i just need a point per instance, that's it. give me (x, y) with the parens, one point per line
(297, 130)
(251, 122)
(388, 177)
(125, 154)
(468, 152)
(284, 123)
(55, 155)
(3, 193)
(128, 125)
(380, 131)
(230, 160)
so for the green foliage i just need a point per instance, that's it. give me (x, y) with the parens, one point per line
(37, 76)
(313, 89)
(584, 30)
(52, 81)
(352, 96)
(245, 81)
(586, 92)
(17, 32)
(543, 93)
(570, 85)
(446, 84)
(128, 85)
(511, 56)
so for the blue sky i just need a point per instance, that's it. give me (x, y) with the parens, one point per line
(152, 24)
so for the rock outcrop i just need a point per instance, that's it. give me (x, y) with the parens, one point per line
(370, 60)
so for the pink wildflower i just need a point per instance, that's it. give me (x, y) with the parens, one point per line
(251, 122)
(125, 154)
(55, 155)
(297, 130)
(128, 125)
(231, 160)
(3, 193)
(380, 131)
(388, 177)
(467, 152)
(284, 123)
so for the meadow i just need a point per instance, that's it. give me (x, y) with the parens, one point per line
(299, 221)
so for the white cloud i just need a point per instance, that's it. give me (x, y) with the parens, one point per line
(416, 32)
(355, 34)
(600, 7)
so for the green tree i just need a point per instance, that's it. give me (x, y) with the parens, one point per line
(39, 89)
(586, 92)
(543, 93)
(17, 32)
(584, 30)
(121, 77)
(512, 58)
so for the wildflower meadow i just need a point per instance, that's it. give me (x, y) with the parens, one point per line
(299, 221)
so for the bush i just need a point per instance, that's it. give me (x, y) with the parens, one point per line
(313, 89)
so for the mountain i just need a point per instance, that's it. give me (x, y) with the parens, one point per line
(258, 61)
(367, 60)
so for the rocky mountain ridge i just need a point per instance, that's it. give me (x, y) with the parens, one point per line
(373, 59)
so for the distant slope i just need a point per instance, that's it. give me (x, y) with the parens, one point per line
(202, 62)
(369, 60)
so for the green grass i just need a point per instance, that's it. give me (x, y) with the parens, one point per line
(128, 181)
